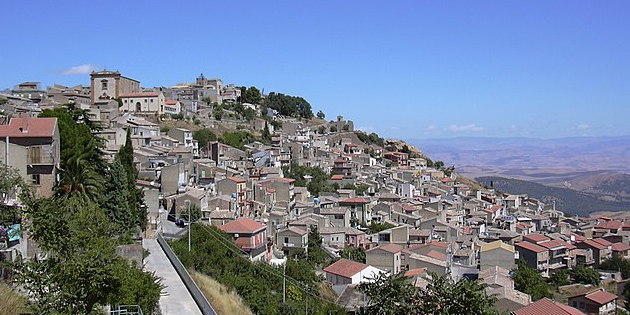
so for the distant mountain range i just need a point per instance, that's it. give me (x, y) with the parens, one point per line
(597, 166)
(566, 200)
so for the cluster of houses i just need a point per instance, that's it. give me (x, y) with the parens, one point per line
(440, 224)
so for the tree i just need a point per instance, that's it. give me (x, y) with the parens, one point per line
(78, 177)
(354, 253)
(316, 254)
(444, 296)
(438, 165)
(265, 134)
(288, 105)
(191, 213)
(394, 294)
(321, 114)
(560, 278)
(527, 280)
(116, 199)
(390, 295)
(79, 272)
(618, 264)
(251, 95)
(333, 129)
(82, 272)
(585, 275)
(136, 203)
(203, 136)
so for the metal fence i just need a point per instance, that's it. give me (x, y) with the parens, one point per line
(126, 310)
(200, 299)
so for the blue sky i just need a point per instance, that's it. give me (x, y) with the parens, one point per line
(404, 69)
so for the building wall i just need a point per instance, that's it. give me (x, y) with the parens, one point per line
(497, 257)
(384, 260)
(116, 85)
(148, 104)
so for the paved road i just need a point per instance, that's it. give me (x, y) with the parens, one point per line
(175, 299)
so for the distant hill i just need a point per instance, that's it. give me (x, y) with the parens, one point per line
(567, 200)
(493, 156)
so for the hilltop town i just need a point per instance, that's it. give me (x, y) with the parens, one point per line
(270, 174)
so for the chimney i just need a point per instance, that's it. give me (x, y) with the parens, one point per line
(24, 127)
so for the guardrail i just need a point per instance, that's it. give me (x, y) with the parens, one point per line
(195, 292)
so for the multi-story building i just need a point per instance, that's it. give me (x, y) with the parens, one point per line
(106, 85)
(143, 103)
(32, 146)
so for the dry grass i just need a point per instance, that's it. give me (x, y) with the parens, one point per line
(223, 300)
(11, 302)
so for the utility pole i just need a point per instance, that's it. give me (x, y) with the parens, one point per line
(284, 283)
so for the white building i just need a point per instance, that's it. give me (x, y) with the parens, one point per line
(143, 103)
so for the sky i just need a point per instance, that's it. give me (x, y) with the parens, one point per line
(403, 69)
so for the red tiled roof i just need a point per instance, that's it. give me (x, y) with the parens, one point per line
(620, 247)
(535, 238)
(139, 95)
(601, 297)
(602, 241)
(237, 180)
(171, 102)
(345, 268)
(494, 209)
(415, 272)
(578, 238)
(337, 177)
(447, 180)
(531, 247)
(611, 225)
(354, 201)
(35, 128)
(436, 255)
(546, 306)
(594, 244)
(552, 244)
(242, 225)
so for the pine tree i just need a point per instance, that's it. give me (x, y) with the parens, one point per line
(117, 200)
(125, 154)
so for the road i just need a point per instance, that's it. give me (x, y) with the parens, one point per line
(175, 298)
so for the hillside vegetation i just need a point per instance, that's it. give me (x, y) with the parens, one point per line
(567, 200)
(223, 300)
(259, 284)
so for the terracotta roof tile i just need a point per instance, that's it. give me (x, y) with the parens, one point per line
(345, 268)
(601, 297)
(242, 225)
(619, 247)
(392, 248)
(535, 238)
(237, 180)
(531, 247)
(546, 306)
(35, 128)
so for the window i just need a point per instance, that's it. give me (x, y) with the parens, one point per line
(286, 240)
(575, 304)
(35, 154)
(582, 305)
(35, 179)
(104, 85)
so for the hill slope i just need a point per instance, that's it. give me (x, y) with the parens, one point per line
(567, 200)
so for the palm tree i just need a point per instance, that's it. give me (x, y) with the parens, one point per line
(79, 178)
